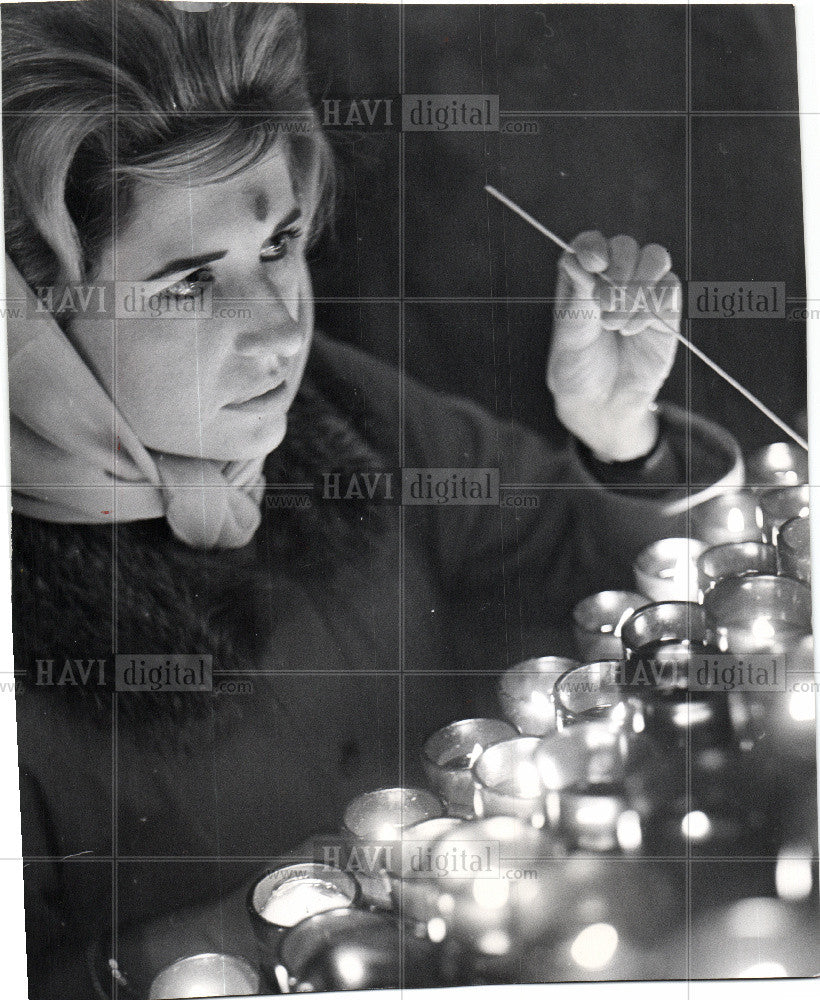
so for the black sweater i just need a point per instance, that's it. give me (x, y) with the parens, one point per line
(355, 628)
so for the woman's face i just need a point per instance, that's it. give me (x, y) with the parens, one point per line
(215, 314)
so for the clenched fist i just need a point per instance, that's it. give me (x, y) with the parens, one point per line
(610, 353)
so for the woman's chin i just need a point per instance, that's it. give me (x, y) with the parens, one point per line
(258, 438)
(253, 440)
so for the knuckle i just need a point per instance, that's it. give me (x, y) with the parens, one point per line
(589, 236)
(623, 243)
(657, 255)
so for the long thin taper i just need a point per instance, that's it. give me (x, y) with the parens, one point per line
(733, 382)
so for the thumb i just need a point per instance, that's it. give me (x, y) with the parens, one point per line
(577, 310)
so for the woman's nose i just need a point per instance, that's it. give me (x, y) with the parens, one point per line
(268, 321)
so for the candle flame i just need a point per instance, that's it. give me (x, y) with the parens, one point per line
(475, 753)
(540, 701)
(491, 893)
(764, 970)
(793, 873)
(595, 946)
(527, 779)
(762, 629)
(620, 623)
(801, 706)
(735, 521)
(696, 825)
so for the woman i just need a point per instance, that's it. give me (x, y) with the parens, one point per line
(156, 437)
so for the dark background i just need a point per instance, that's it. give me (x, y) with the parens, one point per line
(608, 87)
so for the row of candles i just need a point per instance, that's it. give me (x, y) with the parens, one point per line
(620, 752)
(773, 527)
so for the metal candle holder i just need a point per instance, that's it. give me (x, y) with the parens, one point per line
(282, 897)
(525, 693)
(778, 464)
(734, 559)
(206, 975)
(780, 505)
(449, 754)
(731, 516)
(507, 781)
(758, 614)
(794, 549)
(666, 569)
(597, 621)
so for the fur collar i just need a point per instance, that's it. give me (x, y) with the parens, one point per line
(172, 598)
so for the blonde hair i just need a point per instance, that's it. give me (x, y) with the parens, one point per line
(99, 94)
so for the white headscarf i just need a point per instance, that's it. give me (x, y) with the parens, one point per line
(74, 459)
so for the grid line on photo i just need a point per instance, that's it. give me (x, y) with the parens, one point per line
(160, 859)
(688, 900)
(115, 718)
(577, 113)
(402, 650)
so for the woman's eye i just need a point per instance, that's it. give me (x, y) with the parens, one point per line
(277, 246)
(192, 285)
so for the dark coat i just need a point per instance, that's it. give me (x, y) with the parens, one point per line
(362, 626)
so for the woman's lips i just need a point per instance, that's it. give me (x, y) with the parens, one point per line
(261, 402)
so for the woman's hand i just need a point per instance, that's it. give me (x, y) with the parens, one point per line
(610, 354)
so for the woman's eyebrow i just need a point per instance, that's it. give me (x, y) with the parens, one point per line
(189, 263)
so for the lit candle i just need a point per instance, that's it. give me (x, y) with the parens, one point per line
(758, 614)
(449, 755)
(379, 817)
(598, 817)
(525, 693)
(734, 559)
(666, 570)
(482, 904)
(597, 622)
(592, 692)
(507, 781)
(587, 771)
(782, 723)
(299, 898)
(280, 898)
(583, 753)
(206, 975)
(780, 505)
(353, 950)
(752, 938)
(794, 550)
(778, 464)
(412, 870)
(665, 622)
(731, 516)
(373, 825)
(667, 647)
